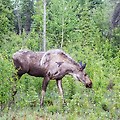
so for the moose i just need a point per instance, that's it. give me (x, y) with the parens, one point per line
(51, 65)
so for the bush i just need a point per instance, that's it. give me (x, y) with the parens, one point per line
(6, 80)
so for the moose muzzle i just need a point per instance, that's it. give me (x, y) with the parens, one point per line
(89, 85)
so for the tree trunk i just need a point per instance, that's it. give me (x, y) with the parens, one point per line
(44, 26)
(116, 16)
(19, 23)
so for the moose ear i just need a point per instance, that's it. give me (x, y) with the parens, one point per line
(83, 66)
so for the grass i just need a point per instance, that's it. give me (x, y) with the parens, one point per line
(98, 103)
(73, 110)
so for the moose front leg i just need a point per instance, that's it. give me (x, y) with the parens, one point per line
(15, 77)
(44, 87)
(59, 85)
(13, 83)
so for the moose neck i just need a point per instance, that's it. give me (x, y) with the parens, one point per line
(73, 69)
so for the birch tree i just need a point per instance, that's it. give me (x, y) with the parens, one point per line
(44, 25)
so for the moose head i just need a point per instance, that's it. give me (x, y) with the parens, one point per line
(80, 74)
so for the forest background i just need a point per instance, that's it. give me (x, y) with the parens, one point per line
(88, 30)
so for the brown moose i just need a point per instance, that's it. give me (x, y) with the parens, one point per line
(51, 65)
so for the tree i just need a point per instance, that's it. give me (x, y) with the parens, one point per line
(62, 21)
(24, 10)
(18, 21)
(6, 17)
(116, 16)
(27, 12)
(44, 26)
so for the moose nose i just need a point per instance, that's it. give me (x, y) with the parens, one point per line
(89, 85)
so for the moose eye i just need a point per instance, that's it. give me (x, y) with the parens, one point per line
(85, 74)
(81, 69)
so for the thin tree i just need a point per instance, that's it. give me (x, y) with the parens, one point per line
(62, 25)
(44, 25)
(17, 13)
(19, 22)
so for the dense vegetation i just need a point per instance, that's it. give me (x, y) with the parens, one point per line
(81, 28)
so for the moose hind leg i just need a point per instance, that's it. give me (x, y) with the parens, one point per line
(59, 85)
(44, 87)
(14, 88)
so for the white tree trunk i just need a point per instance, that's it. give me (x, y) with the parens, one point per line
(62, 40)
(19, 22)
(44, 26)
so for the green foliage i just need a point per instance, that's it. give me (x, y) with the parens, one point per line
(27, 11)
(84, 40)
(6, 18)
(116, 36)
(37, 24)
(23, 11)
(6, 81)
(63, 20)
(31, 41)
